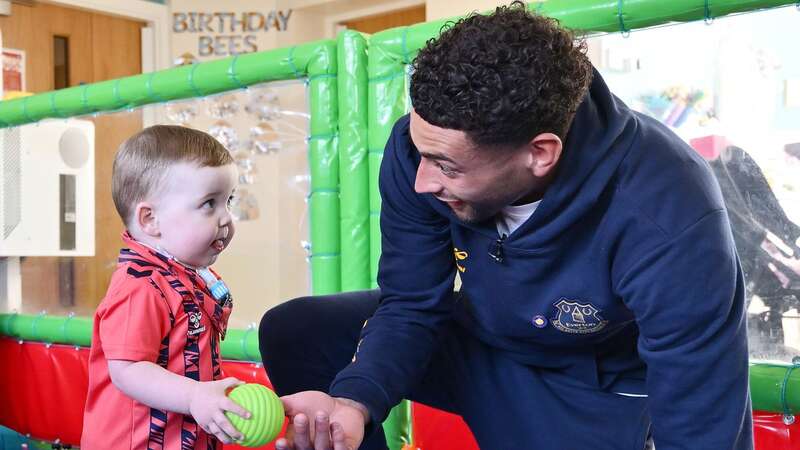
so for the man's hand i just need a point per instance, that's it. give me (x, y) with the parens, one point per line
(338, 423)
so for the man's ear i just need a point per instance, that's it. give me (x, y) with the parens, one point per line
(146, 219)
(545, 150)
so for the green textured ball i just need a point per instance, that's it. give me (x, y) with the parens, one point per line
(266, 412)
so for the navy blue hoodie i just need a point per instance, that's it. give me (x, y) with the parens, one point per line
(627, 266)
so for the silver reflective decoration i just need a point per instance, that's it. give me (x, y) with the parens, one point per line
(243, 161)
(225, 134)
(300, 184)
(264, 139)
(181, 113)
(244, 206)
(184, 59)
(247, 167)
(223, 106)
(264, 104)
(247, 177)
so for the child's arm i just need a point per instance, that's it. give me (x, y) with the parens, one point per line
(159, 388)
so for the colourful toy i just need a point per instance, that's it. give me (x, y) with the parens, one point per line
(266, 412)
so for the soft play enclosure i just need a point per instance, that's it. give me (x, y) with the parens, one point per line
(351, 91)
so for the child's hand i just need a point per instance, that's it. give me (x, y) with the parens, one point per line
(208, 405)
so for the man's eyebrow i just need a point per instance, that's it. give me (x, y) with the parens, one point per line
(437, 157)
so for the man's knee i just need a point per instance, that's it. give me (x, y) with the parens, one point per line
(277, 332)
(331, 321)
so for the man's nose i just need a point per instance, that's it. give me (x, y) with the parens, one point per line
(426, 182)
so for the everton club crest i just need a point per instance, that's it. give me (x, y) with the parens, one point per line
(577, 318)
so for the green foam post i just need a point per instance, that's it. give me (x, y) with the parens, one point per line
(324, 168)
(353, 164)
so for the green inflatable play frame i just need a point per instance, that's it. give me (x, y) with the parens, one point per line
(357, 86)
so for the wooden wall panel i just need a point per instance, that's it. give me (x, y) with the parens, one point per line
(31, 28)
(23, 30)
(76, 25)
(373, 24)
(116, 46)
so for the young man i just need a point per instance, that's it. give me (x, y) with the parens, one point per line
(602, 302)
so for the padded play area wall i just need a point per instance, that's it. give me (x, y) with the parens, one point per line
(357, 87)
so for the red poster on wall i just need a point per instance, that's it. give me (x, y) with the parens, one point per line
(13, 70)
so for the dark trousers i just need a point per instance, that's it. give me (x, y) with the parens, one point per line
(507, 405)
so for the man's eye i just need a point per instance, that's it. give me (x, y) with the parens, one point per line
(446, 170)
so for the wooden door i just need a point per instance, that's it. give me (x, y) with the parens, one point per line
(384, 21)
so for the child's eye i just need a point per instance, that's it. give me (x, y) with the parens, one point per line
(230, 200)
(209, 203)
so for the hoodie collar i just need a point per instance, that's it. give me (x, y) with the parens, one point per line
(598, 140)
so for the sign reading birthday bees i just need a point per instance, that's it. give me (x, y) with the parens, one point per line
(229, 33)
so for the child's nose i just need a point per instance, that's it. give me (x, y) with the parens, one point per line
(226, 218)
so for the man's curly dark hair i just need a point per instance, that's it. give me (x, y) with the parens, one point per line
(501, 78)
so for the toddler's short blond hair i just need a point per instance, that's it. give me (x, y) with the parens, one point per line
(143, 160)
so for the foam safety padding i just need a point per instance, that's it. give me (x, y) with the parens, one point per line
(43, 389)
(770, 433)
(438, 430)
